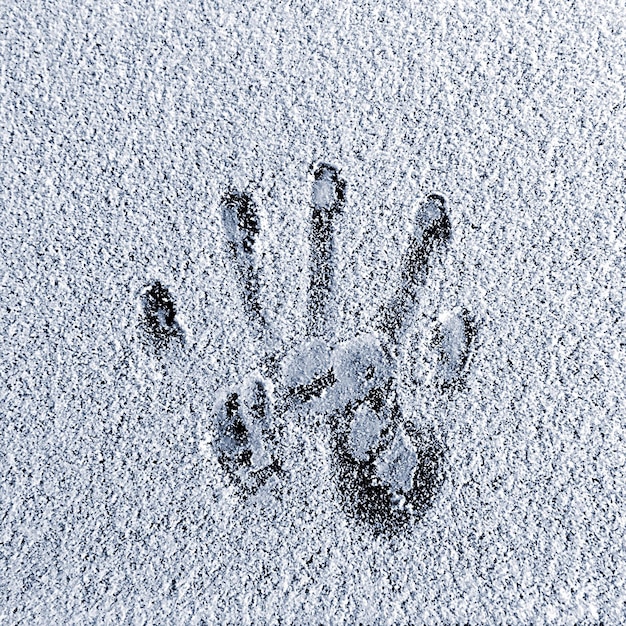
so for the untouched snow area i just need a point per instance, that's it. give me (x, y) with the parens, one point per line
(312, 313)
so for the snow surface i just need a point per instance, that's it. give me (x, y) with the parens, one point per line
(122, 127)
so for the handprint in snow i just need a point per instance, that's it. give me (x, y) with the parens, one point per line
(387, 469)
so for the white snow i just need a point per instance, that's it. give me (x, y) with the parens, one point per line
(122, 126)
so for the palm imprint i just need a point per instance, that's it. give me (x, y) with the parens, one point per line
(387, 469)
